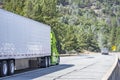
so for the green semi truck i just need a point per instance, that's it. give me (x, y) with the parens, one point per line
(55, 58)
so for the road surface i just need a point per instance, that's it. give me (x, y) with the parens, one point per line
(81, 67)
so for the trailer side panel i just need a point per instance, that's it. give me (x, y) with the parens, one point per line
(21, 37)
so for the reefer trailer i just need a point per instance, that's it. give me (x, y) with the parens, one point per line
(24, 43)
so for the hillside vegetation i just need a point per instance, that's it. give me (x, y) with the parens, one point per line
(78, 24)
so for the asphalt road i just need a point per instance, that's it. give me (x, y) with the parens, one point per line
(81, 67)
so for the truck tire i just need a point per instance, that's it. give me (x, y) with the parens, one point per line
(49, 61)
(44, 62)
(3, 68)
(11, 67)
(58, 61)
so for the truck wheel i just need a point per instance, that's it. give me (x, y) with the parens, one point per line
(46, 62)
(49, 62)
(11, 67)
(58, 61)
(3, 68)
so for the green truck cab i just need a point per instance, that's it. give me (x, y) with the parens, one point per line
(55, 57)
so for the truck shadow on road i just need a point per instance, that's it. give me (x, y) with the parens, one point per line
(38, 73)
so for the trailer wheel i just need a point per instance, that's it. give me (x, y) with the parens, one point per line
(46, 62)
(49, 61)
(11, 67)
(3, 68)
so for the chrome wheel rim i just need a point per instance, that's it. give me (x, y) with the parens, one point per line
(4, 69)
(12, 67)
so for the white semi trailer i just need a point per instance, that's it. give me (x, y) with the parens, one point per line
(24, 43)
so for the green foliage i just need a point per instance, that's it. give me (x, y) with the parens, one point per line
(15, 6)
